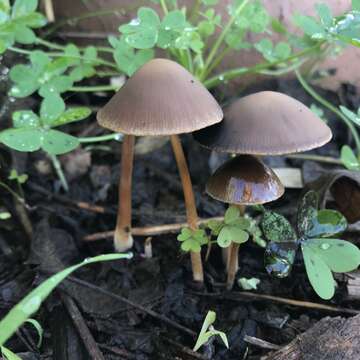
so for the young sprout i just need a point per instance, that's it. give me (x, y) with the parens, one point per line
(266, 123)
(161, 98)
(243, 180)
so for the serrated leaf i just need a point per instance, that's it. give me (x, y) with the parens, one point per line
(22, 139)
(349, 159)
(51, 109)
(55, 142)
(25, 119)
(339, 255)
(319, 273)
(276, 227)
(72, 115)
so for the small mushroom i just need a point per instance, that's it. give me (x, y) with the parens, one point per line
(161, 98)
(243, 180)
(266, 123)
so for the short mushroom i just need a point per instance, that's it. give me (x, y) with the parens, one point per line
(266, 123)
(243, 180)
(161, 98)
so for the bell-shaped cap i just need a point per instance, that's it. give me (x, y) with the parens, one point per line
(161, 98)
(266, 123)
(244, 180)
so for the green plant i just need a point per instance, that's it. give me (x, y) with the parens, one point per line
(207, 331)
(192, 240)
(322, 253)
(32, 302)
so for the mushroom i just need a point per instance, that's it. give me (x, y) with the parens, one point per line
(265, 123)
(161, 98)
(243, 180)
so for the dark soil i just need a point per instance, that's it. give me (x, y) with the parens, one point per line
(162, 283)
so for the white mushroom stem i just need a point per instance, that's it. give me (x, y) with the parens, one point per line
(191, 213)
(233, 258)
(123, 240)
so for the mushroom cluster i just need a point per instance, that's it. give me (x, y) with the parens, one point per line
(162, 98)
(264, 123)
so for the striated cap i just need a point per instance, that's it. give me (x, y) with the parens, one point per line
(266, 123)
(161, 98)
(244, 180)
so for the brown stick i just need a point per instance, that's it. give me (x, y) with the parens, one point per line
(233, 262)
(150, 230)
(190, 205)
(122, 237)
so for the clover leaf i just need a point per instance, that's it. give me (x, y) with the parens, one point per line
(192, 240)
(281, 51)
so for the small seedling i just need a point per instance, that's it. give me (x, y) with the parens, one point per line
(207, 331)
(192, 240)
(322, 253)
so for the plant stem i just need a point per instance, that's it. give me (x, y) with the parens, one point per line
(324, 159)
(223, 34)
(233, 263)
(191, 212)
(49, 44)
(94, 88)
(107, 137)
(122, 238)
(331, 107)
(232, 74)
(164, 6)
(59, 172)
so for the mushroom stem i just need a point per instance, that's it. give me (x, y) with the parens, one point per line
(122, 237)
(191, 213)
(233, 258)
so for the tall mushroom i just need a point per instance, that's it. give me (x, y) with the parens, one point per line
(266, 123)
(161, 98)
(243, 180)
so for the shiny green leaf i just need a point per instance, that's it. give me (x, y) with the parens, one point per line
(55, 142)
(22, 139)
(25, 119)
(339, 255)
(72, 115)
(306, 212)
(56, 85)
(349, 159)
(319, 273)
(276, 227)
(51, 109)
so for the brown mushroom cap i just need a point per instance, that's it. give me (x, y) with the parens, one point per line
(161, 98)
(244, 180)
(266, 123)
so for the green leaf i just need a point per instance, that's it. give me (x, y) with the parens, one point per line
(215, 226)
(282, 50)
(232, 214)
(72, 115)
(319, 273)
(191, 245)
(185, 234)
(39, 60)
(90, 54)
(356, 5)
(279, 258)
(23, 7)
(306, 212)
(25, 119)
(326, 223)
(209, 2)
(229, 234)
(51, 109)
(310, 26)
(39, 330)
(32, 302)
(5, 6)
(23, 89)
(325, 15)
(8, 354)
(339, 255)
(142, 33)
(22, 139)
(276, 227)
(349, 159)
(56, 85)
(55, 142)
(34, 20)
(205, 335)
(24, 35)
